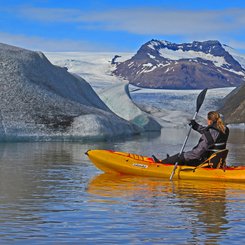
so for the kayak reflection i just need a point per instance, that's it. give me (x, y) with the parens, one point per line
(116, 185)
(203, 203)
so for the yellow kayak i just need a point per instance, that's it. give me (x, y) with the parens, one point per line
(132, 164)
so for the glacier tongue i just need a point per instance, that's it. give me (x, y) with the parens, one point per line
(41, 101)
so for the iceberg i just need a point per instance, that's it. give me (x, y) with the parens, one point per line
(42, 101)
(119, 100)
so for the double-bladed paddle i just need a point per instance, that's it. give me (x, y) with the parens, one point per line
(199, 102)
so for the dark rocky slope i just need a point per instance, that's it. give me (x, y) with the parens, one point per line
(233, 107)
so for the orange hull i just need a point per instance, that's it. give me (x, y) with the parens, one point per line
(132, 164)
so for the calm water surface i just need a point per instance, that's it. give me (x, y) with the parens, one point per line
(51, 194)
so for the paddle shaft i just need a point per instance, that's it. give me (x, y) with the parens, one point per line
(200, 99)
(183, 147)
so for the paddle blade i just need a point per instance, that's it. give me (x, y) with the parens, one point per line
(200, 99)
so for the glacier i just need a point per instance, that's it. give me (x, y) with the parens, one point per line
(175, 108)
(169, 108)
(94, 67)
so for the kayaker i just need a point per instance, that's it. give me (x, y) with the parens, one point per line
(214, 137)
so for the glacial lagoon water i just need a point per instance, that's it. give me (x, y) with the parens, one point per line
(50, 193)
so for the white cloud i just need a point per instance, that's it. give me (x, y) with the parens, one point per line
(236, 44)
(146, 21)
(46, 44)
(187, 25)
(49, 14)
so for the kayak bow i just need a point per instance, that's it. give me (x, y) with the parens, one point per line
(132, 164)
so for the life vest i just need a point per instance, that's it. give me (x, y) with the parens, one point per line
(220, 142)
(213, 146)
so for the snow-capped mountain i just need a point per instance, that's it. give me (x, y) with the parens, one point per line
(196, 65)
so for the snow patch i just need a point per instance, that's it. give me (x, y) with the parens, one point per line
(151, 56)
(180, 54)
(148, 65)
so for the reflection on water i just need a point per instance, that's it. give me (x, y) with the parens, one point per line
(51, 193)
(202, 208)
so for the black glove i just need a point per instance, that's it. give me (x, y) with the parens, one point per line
(194, 124)
(156, 159)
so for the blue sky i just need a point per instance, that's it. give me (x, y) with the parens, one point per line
(93, 25)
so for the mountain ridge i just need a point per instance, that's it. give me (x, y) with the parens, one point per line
(196, 65)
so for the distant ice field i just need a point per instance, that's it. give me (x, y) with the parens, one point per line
(179, 100)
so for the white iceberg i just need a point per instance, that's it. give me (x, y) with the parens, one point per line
(118, 99)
